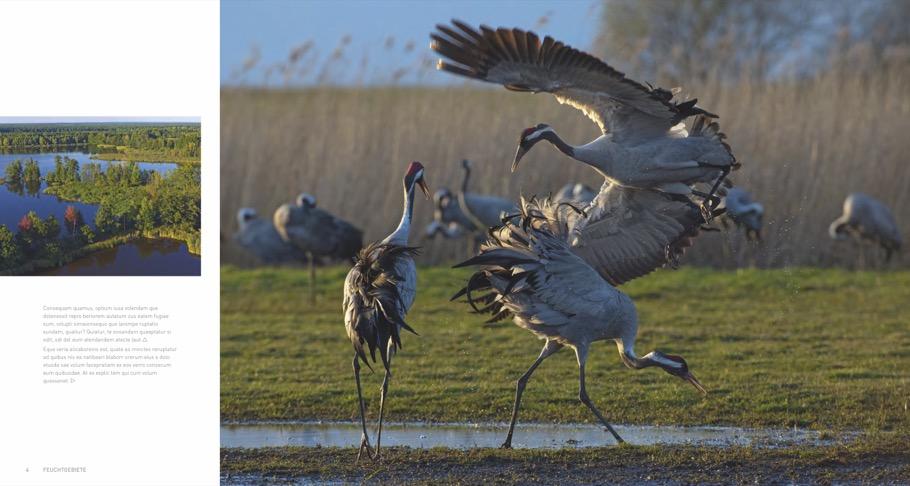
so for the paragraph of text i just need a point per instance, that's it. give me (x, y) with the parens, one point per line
(93, 342)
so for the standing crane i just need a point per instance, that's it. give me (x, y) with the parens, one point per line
(259, 237)
(483, 210)
(644, 142)
(467, 213)
(744, 212)
(378, 292)
(316, 232)
(536, 271)
(867, 218)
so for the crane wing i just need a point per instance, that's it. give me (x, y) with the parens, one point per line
(630, 232)
(529, 270)
(520, 61)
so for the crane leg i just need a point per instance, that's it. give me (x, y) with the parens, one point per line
(582, 354)
(312, 279)
(548, 349)
(723, 175)
(364, 439)
(384, 391)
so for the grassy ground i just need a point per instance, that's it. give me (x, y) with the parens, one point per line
(823, 349)
(879, 460)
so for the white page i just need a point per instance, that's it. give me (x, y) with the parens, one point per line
(114, 59)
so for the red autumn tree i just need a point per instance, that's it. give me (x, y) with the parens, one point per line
(73, 218)
(25, 224)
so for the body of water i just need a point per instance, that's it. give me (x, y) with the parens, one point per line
(142, 257)
(15, 202)
(527, 436)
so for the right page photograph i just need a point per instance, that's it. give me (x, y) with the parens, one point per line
(581, 242)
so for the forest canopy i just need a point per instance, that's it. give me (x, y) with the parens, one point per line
(175, 140)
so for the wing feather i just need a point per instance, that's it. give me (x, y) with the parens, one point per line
(631, 232)
(520, 61)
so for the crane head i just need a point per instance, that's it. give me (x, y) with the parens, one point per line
(414, 175)
(529, 136)
(245, 215)
(676, 366)
(305, 200)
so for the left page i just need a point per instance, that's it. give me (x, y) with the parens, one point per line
(109, 129)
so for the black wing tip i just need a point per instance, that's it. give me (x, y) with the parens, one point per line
(458, 294)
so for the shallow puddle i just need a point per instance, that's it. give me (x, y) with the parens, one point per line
(527, 436)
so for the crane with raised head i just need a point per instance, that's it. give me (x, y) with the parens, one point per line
(378, 292)
(466, 214)
(485, 211)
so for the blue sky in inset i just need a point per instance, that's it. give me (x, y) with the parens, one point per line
(275, 27)
(99, 119)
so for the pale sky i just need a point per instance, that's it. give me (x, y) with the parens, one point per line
(99, 119)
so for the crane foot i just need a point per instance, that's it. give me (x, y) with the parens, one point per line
(506, 445)
(365, 446)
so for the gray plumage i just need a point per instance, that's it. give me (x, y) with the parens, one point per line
(867, 218)
(625, 233)
(744, 212)
(643, 144)
(577, 194)
(378, 292)
(316, 231)
(448, 218)
(260, 238)
(484, 211)
(530, 272)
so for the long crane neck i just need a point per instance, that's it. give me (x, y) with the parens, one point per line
(467, 176)
(629, 358)
(598, 154)
(400, 235)
(559, 143)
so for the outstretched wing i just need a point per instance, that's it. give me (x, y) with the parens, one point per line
(519, 61)
(629, 232)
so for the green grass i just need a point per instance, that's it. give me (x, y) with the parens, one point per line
(877, 460)
(825, 349)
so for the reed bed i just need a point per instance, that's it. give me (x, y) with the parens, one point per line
(804, 144)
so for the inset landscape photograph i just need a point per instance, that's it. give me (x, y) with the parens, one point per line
(100, 196)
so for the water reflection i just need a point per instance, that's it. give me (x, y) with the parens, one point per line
(18, 199)
(527, 436)
(142, 257)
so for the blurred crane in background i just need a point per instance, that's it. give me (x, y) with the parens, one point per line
(316, 232)
(869, 219)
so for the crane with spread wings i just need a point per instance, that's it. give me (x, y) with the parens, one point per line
(645, 142)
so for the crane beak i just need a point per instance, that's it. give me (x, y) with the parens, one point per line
(518, 155)
(697, 384)
(423, 187)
